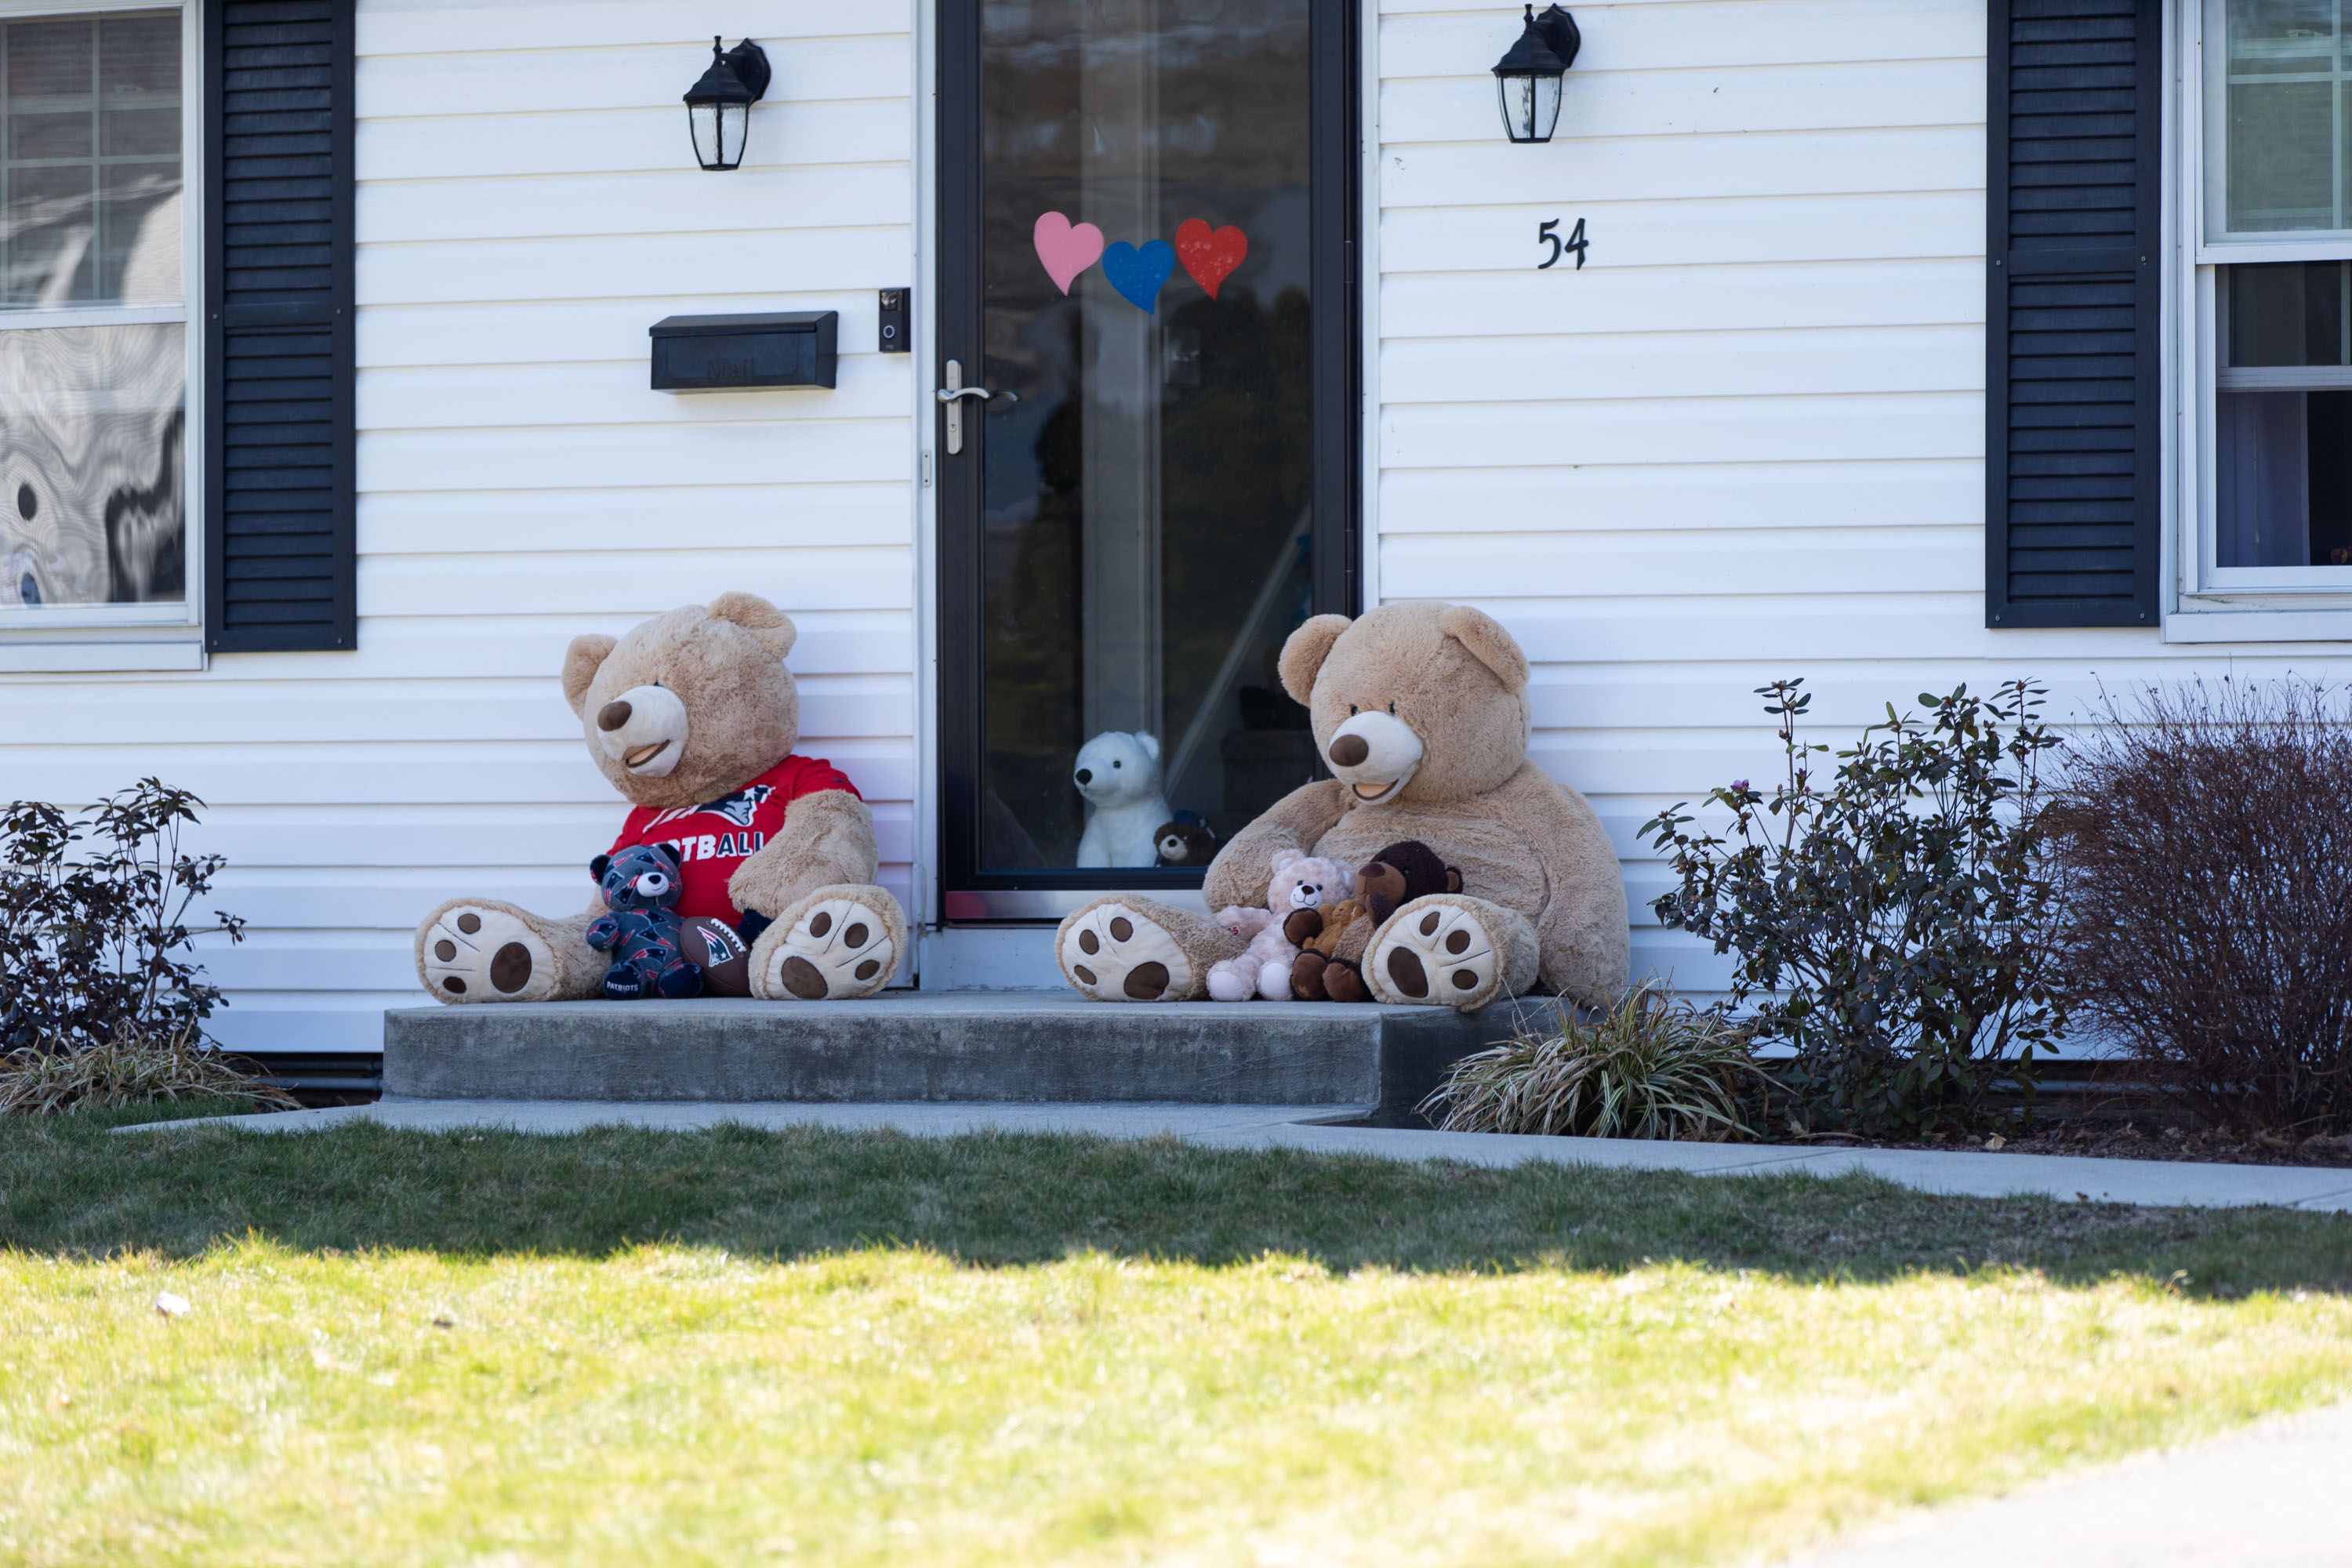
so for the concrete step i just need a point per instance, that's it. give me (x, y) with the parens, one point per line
(979, 1045)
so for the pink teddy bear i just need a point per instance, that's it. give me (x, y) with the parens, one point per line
(1300, 882)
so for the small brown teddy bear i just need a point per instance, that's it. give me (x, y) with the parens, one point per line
(1330, 959)
(1185, 844)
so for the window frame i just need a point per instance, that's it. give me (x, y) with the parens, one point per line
(2210, 602)
(31, 638)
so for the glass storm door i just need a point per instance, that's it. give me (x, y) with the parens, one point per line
(1146, 447)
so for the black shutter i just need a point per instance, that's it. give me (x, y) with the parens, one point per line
(2073, 313)
(280, 552)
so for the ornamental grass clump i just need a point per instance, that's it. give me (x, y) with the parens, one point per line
(133, 1067)
(2205, 837)
(1649, 1067)
(1893, 910)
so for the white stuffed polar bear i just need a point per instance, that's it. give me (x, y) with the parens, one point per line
(1119, 774)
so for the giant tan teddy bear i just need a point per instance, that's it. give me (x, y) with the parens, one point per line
(1421, 709)
(693, 717)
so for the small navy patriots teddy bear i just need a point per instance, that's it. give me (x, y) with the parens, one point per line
(639, 928)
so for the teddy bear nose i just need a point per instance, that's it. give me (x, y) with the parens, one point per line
(1350, 751)
(612, 715)
(1085, 776)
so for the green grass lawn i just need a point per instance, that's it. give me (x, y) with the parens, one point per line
(728, 1347)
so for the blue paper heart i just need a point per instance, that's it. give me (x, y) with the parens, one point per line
(1140, 274)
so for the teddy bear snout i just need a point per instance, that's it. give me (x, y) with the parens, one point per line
(643, 730)
(652, 885)
(1375, 753)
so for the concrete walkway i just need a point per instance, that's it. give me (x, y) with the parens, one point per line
(2149, 1182)
(2270, 1497)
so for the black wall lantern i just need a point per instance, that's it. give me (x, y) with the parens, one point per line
(718, 107)
(1528, 79)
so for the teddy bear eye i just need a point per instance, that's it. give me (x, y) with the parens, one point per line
(1391, 710)
(1118, 764)
(1351, 710)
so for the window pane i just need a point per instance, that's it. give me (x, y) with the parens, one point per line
(2282, 156)
(2289, 314)
(92, 469)
(2279, 36)
(138, 234)
(2328, 420)
(2279, 97)
(90, 160)
(2285, 480)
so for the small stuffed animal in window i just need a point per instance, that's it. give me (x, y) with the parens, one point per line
(640, 926)
(1186, 842)
(1118, 775)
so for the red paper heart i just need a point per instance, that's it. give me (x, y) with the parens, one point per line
(1209, 256)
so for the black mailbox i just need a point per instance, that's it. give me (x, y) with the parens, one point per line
(776, 348)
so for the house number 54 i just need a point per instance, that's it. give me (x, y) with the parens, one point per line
(1559, 248)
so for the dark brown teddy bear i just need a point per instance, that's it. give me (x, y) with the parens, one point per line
(1330, 960)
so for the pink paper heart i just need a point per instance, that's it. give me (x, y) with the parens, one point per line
(1066, 249)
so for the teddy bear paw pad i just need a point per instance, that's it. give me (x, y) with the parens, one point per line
(1442, 956)
(837, 949)
(1113, 954)
(481, 954)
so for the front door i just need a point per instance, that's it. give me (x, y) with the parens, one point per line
(1146, 443)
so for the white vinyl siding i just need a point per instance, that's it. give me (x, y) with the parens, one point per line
(1746, 440)
(527, 207)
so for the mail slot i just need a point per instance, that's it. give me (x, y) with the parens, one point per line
(713, 353)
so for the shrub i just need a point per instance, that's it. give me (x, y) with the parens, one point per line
(1893, 924)
(1649, 1067)
(2206, 844)
(98, 976)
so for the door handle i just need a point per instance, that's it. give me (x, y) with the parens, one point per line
(951, 394)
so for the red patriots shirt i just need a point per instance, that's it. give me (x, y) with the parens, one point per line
(713, 839)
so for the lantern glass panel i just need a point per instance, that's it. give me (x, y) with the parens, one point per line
(1530, 106)
(718, 133)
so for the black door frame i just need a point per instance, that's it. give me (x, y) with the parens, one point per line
(1335, 204)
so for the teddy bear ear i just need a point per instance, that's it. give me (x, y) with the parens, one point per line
(1284, 859)
(586, 655)
(1488, 643)
(598, 867)
(754, 614)
(668, 852)
(1151, 744)
(1303, 654)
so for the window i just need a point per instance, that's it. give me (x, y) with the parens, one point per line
(2272, 284)
(2283, 416)
(95, 341)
